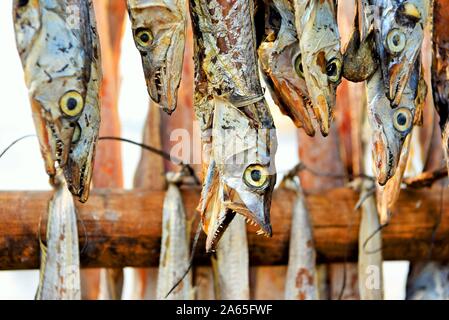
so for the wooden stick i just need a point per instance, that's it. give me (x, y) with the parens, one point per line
(119, 235)
(108, 165)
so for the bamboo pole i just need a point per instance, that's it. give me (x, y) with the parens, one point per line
(118, 234)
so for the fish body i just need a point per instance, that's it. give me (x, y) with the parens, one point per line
(59, 50)
(440, 70)
(175, 256)
(399, 29)
(231, 263)
(316, 25)
(159, 32)
(237, 128)
(280, 61)
(60, 265)
(301, 280)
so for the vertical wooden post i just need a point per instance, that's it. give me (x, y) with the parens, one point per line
(108, 173)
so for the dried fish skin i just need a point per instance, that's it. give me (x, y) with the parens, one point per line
(59, 51)
(159, 32)
(280, 61)
(390, 126)
(175, 256)
(316, 25)
(399, 29)
(60, 269)
(229, 98)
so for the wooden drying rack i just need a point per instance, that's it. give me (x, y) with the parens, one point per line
(123, 228)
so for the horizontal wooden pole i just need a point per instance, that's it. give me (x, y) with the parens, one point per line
(120, 228)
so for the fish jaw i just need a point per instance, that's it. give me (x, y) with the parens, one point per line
(162, 59)
(384, 160)
(78, 171)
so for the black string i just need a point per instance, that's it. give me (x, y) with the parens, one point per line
(15, 142)
(161, 153)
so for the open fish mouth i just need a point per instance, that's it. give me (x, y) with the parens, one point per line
(223, 216)
(78, 180)
(155, 85)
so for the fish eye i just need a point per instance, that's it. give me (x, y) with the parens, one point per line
(395, 41)
(71, 103)
(402, 119)
(76, 132)
(256, 176)
(144, 37)
(333, 70)
(298, 66)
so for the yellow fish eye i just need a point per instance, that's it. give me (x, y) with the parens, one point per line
(298, 66)
(256, 176)
(143, 37)
(333, 70)
(71, 103)
(402, 120)
(395, 41)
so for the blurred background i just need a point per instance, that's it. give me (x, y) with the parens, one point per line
(22, 168)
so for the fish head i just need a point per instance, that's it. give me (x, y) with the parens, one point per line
(159, 34)
(281, 64)
(322, 60)
(399, 41)
(57, 70)
(80, 163)
(390, 126)
(244, 171)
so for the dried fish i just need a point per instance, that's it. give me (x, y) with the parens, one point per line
(316, 25)
(280, 60)
(302, 280)
(390, 126)
(60, 265)
(238, 135)
(231, 263)
(59, 49)
(399, 29)
(175, 256)
(159, 30)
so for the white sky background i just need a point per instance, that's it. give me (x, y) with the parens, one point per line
(22, 167)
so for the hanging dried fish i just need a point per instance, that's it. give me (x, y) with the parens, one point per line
(399, 29)
(159, 30)
(280, 60)
(238, 166)
(59, 49)
(60, 265)
(231, 263)
(302, 280)
(316, 25)
(440, 69)
(390, 126)
(175, 251)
